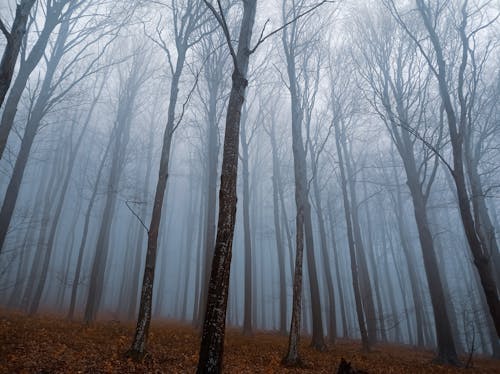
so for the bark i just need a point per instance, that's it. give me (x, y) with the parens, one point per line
(212, 340)
(14, 40)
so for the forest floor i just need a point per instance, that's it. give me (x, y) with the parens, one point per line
(49, 344)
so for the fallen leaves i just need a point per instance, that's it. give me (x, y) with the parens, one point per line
(51, 345)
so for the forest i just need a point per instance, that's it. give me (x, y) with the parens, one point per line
(250, 186)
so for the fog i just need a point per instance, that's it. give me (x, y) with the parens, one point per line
(155, 155)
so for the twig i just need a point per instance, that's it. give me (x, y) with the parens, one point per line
(137, 216)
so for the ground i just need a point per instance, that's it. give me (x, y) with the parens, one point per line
(48, 344)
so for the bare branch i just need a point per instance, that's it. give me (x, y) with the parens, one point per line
(136, 215)
(263, 39)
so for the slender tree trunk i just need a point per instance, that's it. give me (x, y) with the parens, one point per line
(53, 17)
(14, 41)
(212, 340)
(138, 348)
(34, 121)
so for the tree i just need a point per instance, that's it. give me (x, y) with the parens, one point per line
(212, 340)
(14, 39)
(298, 101)
(187, 20)
(402, 99)
(456, 104)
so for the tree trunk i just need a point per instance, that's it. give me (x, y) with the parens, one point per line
(138, 348)
(14, 41)
(212, 340)
(25, 69)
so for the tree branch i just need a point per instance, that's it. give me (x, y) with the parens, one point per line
(222, 22)
(263, 39)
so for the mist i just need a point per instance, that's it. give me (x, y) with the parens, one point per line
(318, 169)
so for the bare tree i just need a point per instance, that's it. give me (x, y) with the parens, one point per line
(187, 19)
(469, 21)
(14, 39)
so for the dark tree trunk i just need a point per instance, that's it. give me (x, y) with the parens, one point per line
(14, 40)
(26, 67)
(138, 348)
(212, 340)
(32, 126)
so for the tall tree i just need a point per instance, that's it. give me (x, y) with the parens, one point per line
(212, 340)
(456, 103)
(402, 100)
(187, 18)
(300, 103)
(14, 39)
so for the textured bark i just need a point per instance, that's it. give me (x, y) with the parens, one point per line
(11, 51)
(212, 340)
